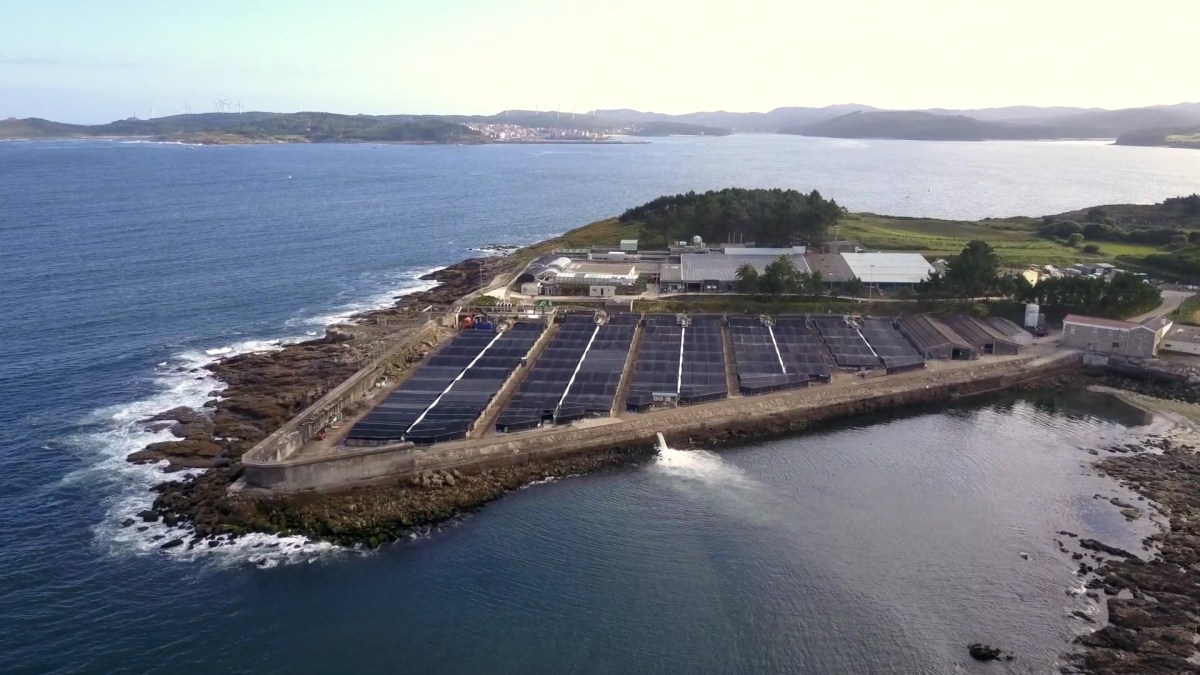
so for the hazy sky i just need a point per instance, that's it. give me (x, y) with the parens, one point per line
(92, 61)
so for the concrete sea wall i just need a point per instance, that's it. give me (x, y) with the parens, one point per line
(340, 400)
(730, 418)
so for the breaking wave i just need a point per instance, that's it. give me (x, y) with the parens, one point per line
(183, 380)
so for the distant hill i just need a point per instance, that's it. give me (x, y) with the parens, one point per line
(1185, 137)
(1178, 213)
(1011, 122)
(1165, 125)
(646, 125)
(1113, 123)
(742, 122)
(257, 127)
(653, 128)
(34, 127)
(923, 126)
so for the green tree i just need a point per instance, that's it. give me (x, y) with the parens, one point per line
(1091, 248)
(1075, 239)
(779, 276)
(855, 287)
(816, 283)
(747, 278)
(972, 272)
(1021, 290)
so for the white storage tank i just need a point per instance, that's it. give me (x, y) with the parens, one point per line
(1031, 315)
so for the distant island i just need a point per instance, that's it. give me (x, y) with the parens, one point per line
(1176, 126)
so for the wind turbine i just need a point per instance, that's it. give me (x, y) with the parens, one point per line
(239, 106)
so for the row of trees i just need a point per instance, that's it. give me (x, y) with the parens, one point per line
(765, 217)
(974, 273)
(1074, 234)
(781, 276)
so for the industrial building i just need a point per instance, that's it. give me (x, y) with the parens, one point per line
(934, 339)
(889, 270)
(1011, 331)
(699, 268)
(1182, 340)
(981, 335)
(1110, 336)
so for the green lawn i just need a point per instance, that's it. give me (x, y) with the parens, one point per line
(1014, 239)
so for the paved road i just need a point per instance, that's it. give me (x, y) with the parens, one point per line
(1170, 302)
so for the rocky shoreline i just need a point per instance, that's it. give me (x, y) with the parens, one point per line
(1152, 603)
(263, 390)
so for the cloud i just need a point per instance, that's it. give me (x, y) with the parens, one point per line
(53, 62)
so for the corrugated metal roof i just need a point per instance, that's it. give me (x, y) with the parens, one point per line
(1006, 327)
(754, 250)
(929, 333)
(1098, 321)
(889, 268)
(976, 331)
(832, 266)
(723, 266)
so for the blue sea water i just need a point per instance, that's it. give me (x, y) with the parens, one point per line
(128, 266)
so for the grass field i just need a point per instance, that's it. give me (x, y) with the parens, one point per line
(1014, 239)
(1189, 311)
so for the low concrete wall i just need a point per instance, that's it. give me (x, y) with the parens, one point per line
(280, 445)
(791, 410)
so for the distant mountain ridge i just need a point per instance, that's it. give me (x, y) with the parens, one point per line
(1004, 123)
(318, 127)
(256, 127)
(1165, 125)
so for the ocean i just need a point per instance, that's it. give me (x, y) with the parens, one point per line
(863, 548)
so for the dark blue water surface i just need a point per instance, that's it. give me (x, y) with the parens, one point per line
(878, 548)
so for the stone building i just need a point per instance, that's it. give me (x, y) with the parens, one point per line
(1110, 336)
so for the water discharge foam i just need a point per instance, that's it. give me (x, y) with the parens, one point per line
(702, 475)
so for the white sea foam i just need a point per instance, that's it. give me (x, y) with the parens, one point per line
(184, 381)
(120, 430)
(406, 283)
(702, 475)
(497, 250)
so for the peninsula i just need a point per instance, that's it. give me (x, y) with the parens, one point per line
(219, 128)
(348, 438)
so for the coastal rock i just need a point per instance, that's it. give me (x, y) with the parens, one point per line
(1131, 513)
(172, 544)
(1093, 545)
(178, 414)
(1082, 616)
(148, 516)
(982, 652)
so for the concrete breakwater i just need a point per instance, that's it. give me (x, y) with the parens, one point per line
(266, 474)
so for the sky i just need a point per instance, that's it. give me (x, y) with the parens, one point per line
(87, 61)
